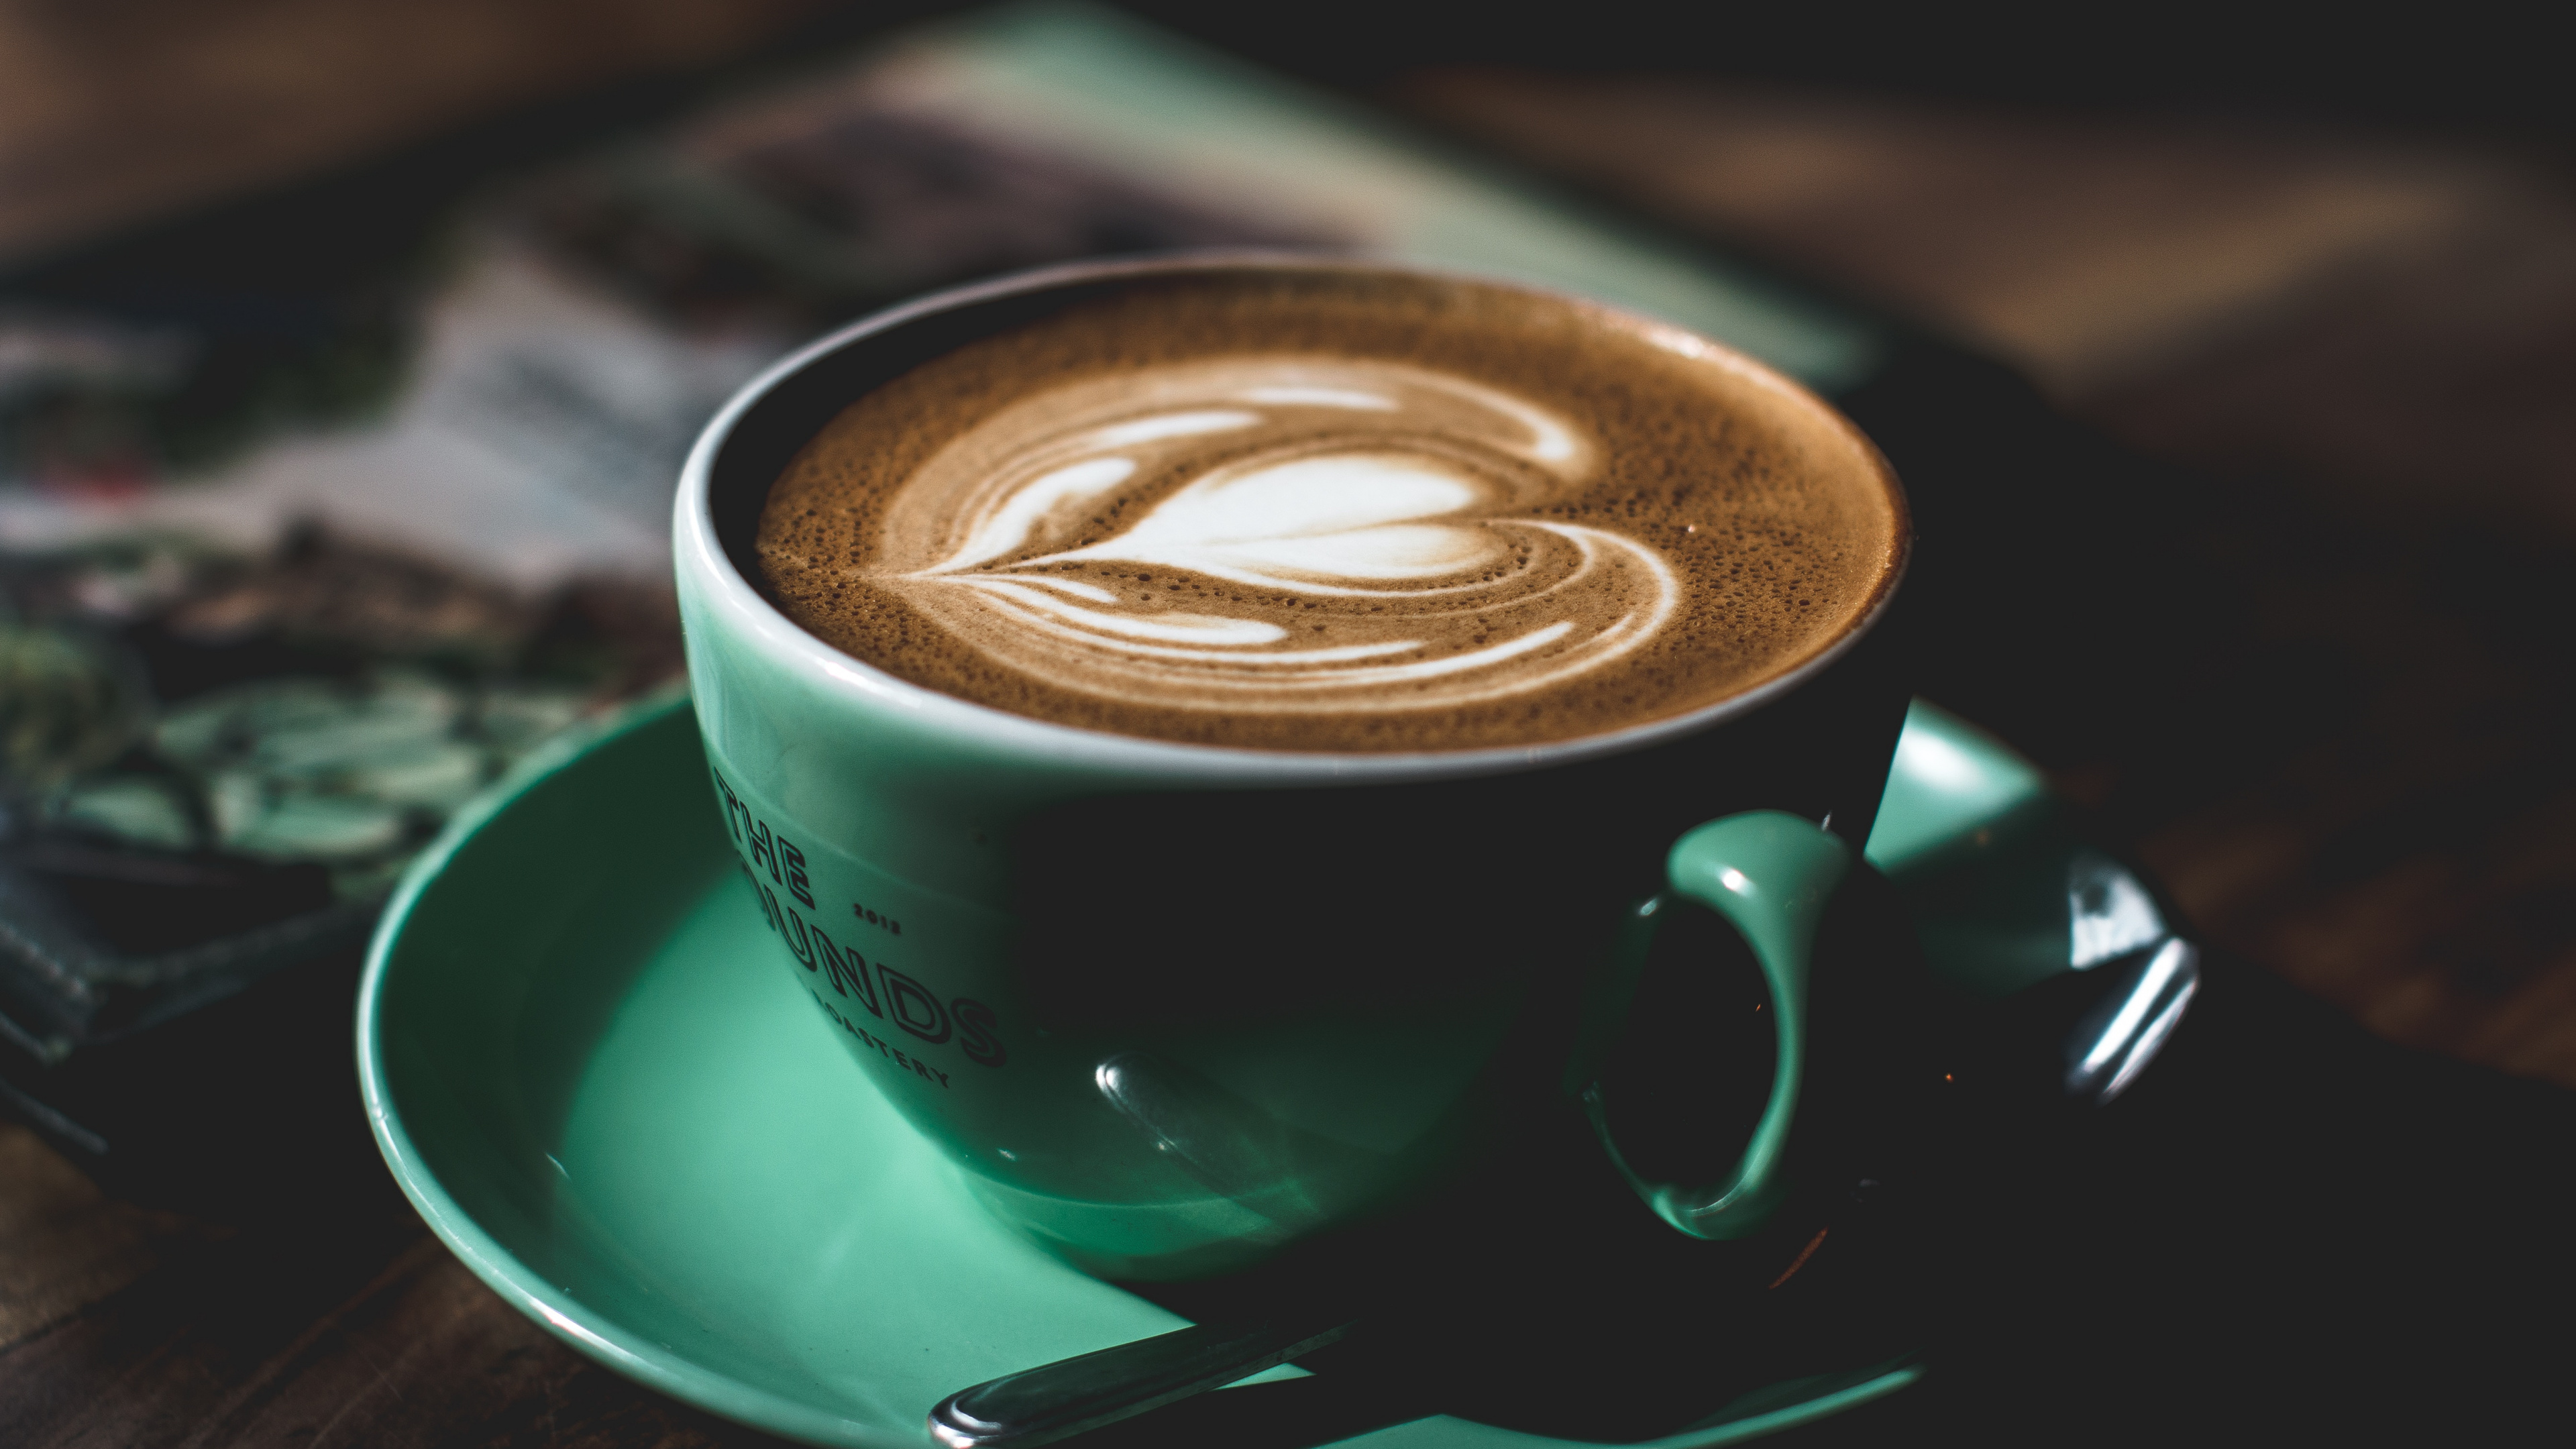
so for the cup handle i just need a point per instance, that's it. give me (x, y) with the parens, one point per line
(1769, 874)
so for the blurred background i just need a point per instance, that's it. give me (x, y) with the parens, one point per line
(346, 350)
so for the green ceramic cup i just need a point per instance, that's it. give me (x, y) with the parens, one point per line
(1172, 1007)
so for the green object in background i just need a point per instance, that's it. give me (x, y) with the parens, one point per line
(589, 1076)
(65, 706)
(1094, 84)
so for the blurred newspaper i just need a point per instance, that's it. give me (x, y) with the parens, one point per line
(281, 587)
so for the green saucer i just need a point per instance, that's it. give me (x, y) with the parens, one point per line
(619, 1113)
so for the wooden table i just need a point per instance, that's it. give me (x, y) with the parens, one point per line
(2362, 781)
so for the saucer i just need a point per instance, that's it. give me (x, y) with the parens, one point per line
(602, 1095)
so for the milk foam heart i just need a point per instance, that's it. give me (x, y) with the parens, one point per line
(1321, 508)
(1292, 533)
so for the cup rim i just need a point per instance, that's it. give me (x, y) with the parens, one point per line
(699, 550)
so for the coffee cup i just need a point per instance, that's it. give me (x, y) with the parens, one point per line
(1212, 864)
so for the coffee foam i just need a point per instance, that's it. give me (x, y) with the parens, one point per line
(1334, 510)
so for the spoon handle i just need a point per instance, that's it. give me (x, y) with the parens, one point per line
(1055, 1401)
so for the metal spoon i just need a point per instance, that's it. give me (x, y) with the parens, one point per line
(1070, 1396)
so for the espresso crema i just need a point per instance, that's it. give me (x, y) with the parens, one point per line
(1341, 510)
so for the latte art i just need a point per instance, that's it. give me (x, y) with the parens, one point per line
(1321, 507)
(1274, 533)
